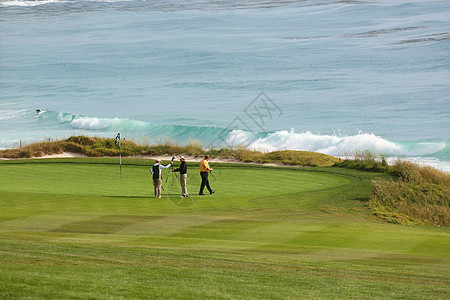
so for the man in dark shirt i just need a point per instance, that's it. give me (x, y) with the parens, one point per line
(183, 176)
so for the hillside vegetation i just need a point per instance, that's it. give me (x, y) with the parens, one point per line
(412, 195)
(99, 147)
(415, 195)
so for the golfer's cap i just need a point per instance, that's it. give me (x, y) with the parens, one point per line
(158, 160)
(181, 157)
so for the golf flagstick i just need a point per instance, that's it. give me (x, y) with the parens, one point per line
(174, 173)
(117, 140)
(171, 168)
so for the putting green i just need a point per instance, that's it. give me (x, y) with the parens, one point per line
(72, 228)
(104, 180)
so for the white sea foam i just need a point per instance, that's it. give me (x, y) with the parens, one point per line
(94, 123)
(423, 161)
(237, 138)
(330, 144)
(12, 114)
(25, 3)
(343, 146)
(89, 123)
(63, 117)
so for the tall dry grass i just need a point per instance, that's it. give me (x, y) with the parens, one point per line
(367, 161)
(415, 195)
(411, 172)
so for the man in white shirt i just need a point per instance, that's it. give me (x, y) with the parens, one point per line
(157, 179)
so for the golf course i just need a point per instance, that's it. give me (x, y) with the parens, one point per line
(73, 228)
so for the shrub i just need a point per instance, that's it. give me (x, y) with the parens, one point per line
(407, 171)
(98, 152)
(26, 153)
(418, 195)
(73, 147)
(193, 148)
(366, 161)
(412, 172)
(45, 148)
(82, 140)
(93, 146)
(128, 146)
(433, 175)
(33, 150)
(411, 203)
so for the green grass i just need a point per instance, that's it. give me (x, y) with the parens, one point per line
(72, 228)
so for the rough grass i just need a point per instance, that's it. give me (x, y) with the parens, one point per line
(415, 195)
(411, 172)
(98, 147)
(286, 157)
(412, 195)
(366, 161)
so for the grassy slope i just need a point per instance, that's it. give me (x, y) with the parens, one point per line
(73, 228)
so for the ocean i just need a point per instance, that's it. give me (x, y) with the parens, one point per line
(335, 77)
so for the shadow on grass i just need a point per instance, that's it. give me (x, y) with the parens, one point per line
(131, 197)
(143, 197)
(174, 195)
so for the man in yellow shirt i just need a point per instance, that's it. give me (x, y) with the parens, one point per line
(204, 171)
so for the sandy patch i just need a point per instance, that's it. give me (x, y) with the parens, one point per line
(63, 155)
(60, 155)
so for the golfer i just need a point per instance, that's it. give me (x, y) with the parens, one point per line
(204, 171)
(183, 176)
(157, 179)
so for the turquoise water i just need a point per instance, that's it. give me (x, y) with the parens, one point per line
(336, 76)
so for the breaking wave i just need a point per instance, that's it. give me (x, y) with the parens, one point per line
(333, 144)
(105, 126)
(434, 153)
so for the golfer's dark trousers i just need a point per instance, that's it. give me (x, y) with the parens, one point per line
(205, 182)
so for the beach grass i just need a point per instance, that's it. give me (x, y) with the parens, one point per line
(101, 147)
(415, 195)
(72, 228)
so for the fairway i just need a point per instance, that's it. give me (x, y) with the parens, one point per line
(73, 228)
